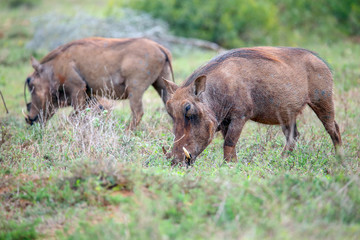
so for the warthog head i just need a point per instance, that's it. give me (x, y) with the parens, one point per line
(194, 124)
(40, 108)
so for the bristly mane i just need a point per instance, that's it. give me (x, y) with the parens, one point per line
(318, 56)
(56, 52)
(236, 53)
(53, 54)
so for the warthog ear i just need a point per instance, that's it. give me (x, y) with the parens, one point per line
(170, 86)
(35, 64)
(200, 85)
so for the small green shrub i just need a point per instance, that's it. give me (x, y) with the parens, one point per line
(232, 23)
(11, 230)
(226, 22)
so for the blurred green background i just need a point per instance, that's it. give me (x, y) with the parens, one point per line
(232, 23)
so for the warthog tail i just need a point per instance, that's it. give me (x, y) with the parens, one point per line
(168, 60)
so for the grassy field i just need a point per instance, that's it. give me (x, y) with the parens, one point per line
(90, 179)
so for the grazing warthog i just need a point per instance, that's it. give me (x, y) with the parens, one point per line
(117, 68)
(269, 85)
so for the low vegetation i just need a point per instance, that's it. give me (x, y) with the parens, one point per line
(88, 178)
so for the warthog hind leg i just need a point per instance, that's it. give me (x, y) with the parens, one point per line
(291, 133)
(325, 112)
(136, 109)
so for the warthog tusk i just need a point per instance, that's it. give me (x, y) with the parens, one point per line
(187, 154)
(26, 116)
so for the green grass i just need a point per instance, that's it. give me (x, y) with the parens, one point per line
(90, 179)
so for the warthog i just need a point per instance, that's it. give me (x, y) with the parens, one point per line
(269, 85)
(117, 68)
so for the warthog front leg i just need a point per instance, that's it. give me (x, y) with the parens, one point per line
(78, 102)
(231, 135)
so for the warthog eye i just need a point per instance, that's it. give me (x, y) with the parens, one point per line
(189, 111)
(28, 106)
(187, 108)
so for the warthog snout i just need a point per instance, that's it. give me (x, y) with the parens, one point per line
(28, 119)
(186, 160)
